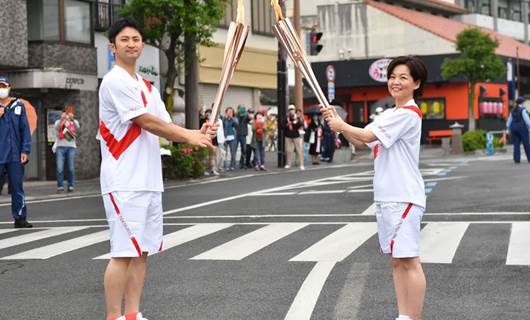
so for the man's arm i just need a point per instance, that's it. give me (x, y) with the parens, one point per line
(171, 131)
(25, 135)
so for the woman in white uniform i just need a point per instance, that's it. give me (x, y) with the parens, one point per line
(399, 192)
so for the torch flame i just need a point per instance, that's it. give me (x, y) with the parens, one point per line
(240, 12)
(277, 10)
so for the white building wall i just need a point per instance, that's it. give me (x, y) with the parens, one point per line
(364, 32)
(505, 27)
(234, 96)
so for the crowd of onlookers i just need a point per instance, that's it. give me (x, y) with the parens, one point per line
(249, 133)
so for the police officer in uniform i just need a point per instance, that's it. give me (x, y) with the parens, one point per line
(518, 124)
(15, 145)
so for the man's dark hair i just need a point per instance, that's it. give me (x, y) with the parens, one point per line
(121, 24)
(417, 69)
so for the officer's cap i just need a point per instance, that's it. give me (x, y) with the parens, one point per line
(520, 99)
(4, 79)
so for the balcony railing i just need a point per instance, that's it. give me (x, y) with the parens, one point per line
(106, 13)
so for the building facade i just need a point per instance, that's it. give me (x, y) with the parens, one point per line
(359, 37)
(255, 76)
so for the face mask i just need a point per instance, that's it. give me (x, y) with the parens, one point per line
(4, 93)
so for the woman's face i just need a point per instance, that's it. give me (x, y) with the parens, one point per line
(229, 113)
(401, 85)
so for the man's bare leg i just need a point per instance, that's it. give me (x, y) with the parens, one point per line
(135, 283)
(409, 281)
(115, 281)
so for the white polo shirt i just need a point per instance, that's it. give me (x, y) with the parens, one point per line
(397, 175)
(131, 158)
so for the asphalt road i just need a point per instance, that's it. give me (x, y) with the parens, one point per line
(286, 245)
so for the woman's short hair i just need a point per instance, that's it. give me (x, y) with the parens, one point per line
(417, 69)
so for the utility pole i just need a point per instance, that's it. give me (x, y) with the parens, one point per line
(298, 91)
(518, 72)
(282, 97)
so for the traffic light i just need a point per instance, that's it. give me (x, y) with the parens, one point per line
(315, 47)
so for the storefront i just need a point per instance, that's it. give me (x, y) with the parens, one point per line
(360, 87)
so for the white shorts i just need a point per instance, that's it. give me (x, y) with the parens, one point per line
(135, 222)
(399, 228)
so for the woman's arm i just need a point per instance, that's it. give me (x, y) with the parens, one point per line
(357, 136)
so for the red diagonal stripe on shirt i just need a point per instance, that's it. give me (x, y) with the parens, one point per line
(148, 84)
(144, 100)
(415, 109)
(116, 148)
(376, 151)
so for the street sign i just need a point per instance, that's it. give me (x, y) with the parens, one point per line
(330, 73)
(331, 91)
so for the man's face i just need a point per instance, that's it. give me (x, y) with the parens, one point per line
(4, 85)
(128, 44)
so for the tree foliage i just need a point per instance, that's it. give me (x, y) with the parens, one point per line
(477, 61)
(167, 22)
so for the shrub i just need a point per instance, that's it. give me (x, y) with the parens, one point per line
(185, 162)
(474, 140)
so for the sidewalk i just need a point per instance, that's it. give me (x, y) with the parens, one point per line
(41, 190)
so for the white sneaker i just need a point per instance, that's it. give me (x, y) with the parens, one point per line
(287, 166)
(121, 318)
(139, 316)
(302, 168)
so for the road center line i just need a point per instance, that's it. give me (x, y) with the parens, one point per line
(307, 297)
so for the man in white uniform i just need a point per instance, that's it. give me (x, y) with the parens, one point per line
(132, 118)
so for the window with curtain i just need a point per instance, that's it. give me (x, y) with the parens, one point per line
(77, 21)
(60, 20)
(43, 20)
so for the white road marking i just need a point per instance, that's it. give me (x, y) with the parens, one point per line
(185, 235)
(34, 236)
(519, 246)
(321, 192)
(370, 210)
(307, 297)
(58, 248)
(440, 240)
(340, 244)
(249, 194)
(250, 243)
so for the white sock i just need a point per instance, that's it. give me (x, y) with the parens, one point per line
(402, 317)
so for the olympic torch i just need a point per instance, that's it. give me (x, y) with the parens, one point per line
(284, 31)
(235, 42)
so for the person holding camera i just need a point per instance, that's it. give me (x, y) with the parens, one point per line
(15, 143)
(65, 148)
(292, 137)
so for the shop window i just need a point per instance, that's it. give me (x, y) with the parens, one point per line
(490, 107)
(432, 108)
(60, 20)
(357, 112)
(262, 17)
(230, 14)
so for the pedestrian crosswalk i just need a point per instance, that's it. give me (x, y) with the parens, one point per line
(441, 241)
